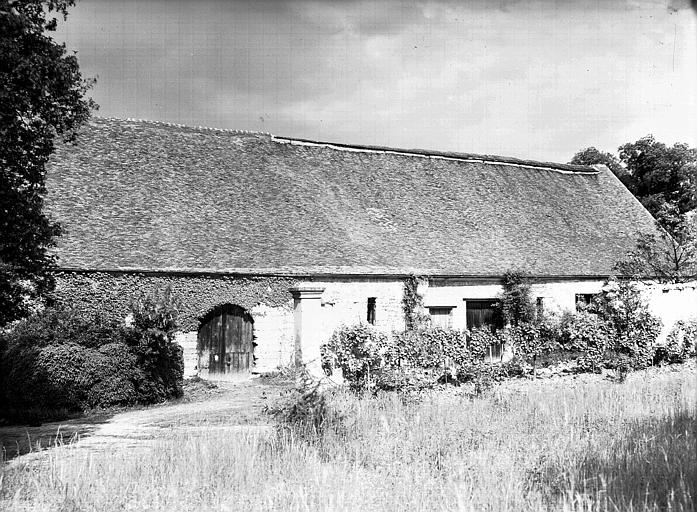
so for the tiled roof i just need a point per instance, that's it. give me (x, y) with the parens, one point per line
(153, 196)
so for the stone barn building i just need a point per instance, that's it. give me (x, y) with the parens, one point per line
(271, 243)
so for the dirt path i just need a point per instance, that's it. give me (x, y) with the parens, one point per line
(230, 406)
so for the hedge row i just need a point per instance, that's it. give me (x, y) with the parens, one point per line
(424, 356)
(63, 360)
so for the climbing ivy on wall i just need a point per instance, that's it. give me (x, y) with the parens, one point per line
(413, 303)
(110, 294)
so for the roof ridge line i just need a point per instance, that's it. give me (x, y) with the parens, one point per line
(363, 148)
(442, 155)
(181, 125)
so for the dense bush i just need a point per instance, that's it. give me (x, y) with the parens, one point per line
(414, 358)
(358, 351)
(516, 301)
(64, 360)
(304, 412)
(616, 331)
(159, 357)
(633, 329)
(479, 341)
(53, 360)
(586, 334)
(431, 347)
(680, 344)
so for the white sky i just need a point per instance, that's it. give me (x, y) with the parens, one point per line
(536, 80)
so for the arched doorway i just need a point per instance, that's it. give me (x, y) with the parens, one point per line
(226, 342)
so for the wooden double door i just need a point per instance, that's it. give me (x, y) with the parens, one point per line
(226, 342)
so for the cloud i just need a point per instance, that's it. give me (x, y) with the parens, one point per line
(537, 80)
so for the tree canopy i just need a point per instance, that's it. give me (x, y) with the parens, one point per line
(661, 176)
(664, 179)
(42, 97)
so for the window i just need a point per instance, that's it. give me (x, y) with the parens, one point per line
(371, 310)
(441, 317)
(482, 312)
(584, 300)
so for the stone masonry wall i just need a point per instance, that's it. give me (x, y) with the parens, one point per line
(344, 302)
(557, 296)
(266, 298)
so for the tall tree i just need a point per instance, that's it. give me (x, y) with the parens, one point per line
(670, 258)
(42, 97)
(592, 156)
(665, 177)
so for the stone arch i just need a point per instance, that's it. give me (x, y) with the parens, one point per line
(225, 343)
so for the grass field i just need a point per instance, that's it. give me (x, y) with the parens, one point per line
(547, 445)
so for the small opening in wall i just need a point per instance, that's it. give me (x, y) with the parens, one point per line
(583, 300)
(540, 308)
(371, 310)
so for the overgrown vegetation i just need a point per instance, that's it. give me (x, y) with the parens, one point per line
(62, 361)
(616, 331)
(412, 303)
(664, 179)
(42, 98)
(532, 446)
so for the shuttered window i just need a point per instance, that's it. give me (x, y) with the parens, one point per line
(441, 317)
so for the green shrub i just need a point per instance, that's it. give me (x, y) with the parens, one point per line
(62, 360)
(634, 330)
(304, 411)
(152, 338)
(358, 351)
(588, 334)
(70, 376)
(479, 341)
(430, 347)
(516, 301)
(680, 343)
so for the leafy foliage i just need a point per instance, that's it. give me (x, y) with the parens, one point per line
(615, 331)
(58, 359)
(61, 359)
(41, 98)
(161, 359)
(431, 347)
(587, 334)
(634, 329)
(661, 175)
(412, 304)
(357, 350)
(526, 340)
(480, 339)
(680, 344)
(516, 299)
(663, 178)
(592, 156)
(666, 257)
(304, 410)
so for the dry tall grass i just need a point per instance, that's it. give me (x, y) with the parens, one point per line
(541, 446)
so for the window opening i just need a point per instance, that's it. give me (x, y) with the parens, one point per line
(371, 310)
(441, 317)
(583, 300)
